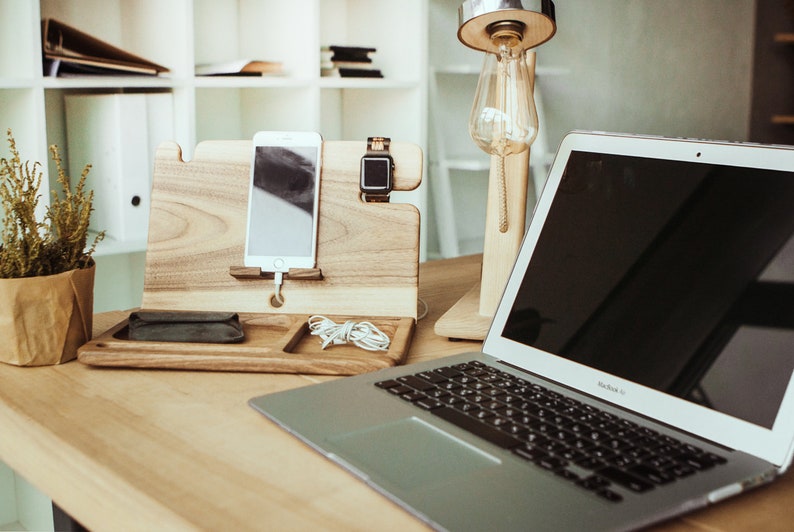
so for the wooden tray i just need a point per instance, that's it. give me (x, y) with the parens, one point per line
(367, 262)
(278, 343)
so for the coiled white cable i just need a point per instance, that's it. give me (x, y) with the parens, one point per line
(362, 334)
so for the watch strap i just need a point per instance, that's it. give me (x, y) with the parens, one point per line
(377, 147)
(375, 198)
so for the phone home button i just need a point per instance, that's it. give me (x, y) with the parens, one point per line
(278, 264)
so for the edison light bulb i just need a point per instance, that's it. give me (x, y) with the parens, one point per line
(503, 119)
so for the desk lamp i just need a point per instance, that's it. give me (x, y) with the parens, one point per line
(503, 123)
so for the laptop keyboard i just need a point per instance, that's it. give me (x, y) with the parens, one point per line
(594, 449)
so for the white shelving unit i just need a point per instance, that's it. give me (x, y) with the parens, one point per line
(180, 34)
(459, 169)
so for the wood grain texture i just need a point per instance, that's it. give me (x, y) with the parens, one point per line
(463, 321)
(368, 253)
(501, 249)
(367, 266)
(274, 343)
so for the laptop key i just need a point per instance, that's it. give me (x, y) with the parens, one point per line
(530, 452)
(695, 462)
(416, 383)
(451, 400)
(552, 463)
(449, 385)
(653, 475)
(412, 396)
(448, 372)
(622, 461)
(590, 463)
(436, 393)
(624, 479)
(499, 422)
(428, 404)
(487, 432)
(429, 376)
(514, 429)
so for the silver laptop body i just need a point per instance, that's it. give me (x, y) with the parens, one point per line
(653, 295)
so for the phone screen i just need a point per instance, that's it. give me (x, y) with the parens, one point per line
(281, 220)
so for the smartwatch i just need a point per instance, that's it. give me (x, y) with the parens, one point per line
(377, 170)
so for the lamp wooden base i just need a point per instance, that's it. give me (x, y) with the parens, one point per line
(463, 321)
(470, 318)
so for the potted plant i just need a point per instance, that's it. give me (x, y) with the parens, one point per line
(46, 273)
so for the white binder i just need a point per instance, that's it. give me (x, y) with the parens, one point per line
(118, 134)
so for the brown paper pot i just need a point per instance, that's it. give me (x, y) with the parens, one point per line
(43, 320)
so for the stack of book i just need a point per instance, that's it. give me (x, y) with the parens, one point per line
(349, 62)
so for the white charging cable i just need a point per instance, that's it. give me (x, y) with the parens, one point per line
(362, 334)
(278, 280)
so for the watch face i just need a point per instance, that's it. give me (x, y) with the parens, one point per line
(376, 174)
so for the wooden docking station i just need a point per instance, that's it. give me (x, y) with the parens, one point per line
(367, 266)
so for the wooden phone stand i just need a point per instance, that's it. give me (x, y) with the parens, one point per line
(367, 265)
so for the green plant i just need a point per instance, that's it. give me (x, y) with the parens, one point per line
(56, 243)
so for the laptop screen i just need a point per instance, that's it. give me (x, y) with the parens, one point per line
(676, 275)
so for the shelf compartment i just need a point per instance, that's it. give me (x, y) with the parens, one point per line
(268, 30)
(20, 55)
(20, 110)
(352, 113)
(238, 113)
(383, 25)
(147, 28)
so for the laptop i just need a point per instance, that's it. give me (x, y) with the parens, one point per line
(639, 365)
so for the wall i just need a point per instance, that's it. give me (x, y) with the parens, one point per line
(669, 67)
(662, 67)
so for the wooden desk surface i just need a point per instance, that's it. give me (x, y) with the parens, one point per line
(156, 449)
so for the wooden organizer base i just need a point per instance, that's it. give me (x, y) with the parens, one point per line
(273, 343)
(367, 265)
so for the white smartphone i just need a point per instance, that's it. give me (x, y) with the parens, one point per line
(283, 199)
